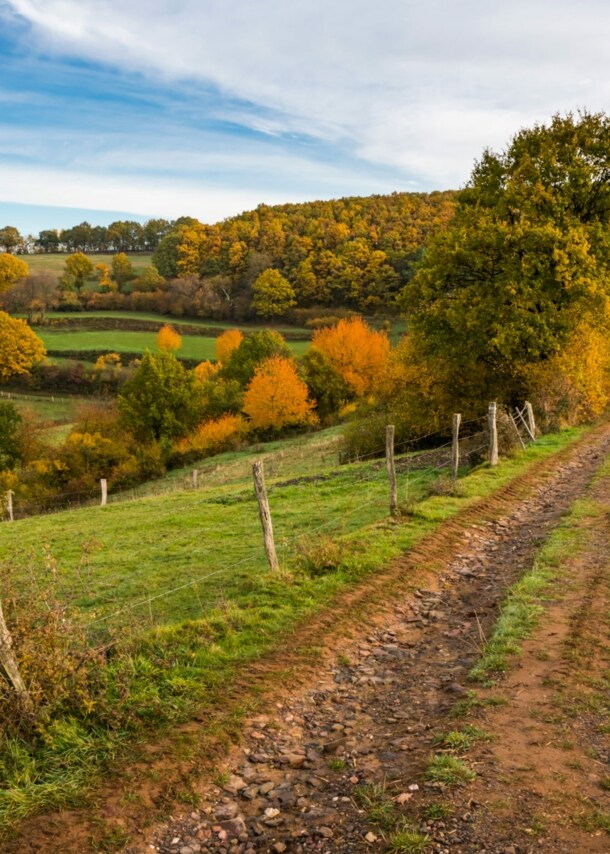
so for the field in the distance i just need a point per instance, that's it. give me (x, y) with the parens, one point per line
(55, 262)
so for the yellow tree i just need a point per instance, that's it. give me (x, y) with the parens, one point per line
(276, 397)
(20, 347)
(11, 270)
(168, 339)
(226, 343)
(358, 353)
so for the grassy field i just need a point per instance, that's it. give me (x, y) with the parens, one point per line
(183, 581)
(55, 262)
(119, 341)
(50, 409)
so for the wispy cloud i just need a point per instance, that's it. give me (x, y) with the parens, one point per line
(266, 100)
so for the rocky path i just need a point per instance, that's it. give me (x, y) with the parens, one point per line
(341, 764)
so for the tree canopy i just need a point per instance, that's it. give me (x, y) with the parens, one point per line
(20, 347)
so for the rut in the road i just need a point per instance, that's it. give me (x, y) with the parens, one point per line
(370, 719)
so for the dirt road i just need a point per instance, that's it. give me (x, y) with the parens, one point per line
(350, 762)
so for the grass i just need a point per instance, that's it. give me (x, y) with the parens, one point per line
(524, 602)
(462, 740)
(408, 842)
(50, 409)
(183, 650)
(55, 262)
(449, 770)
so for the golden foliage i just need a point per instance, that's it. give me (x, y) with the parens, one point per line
(205, 371)
(11, 270)
(276, 396)
(168, 339)
(20, 347)
(358, 353)
(226, 343)
(215, 436)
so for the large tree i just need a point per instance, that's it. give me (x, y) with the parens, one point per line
(20, 347)
(11, 270)
(524, 264)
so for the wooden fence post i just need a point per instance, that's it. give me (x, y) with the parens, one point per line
(104, 488)
(514, 423)
(265, 514)
(493, 435)
(531, 422)
(9, 505)
(195, 478)
(8, 662)
(455, 448)
(389, 457)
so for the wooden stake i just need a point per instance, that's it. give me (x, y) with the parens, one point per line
(389, 456)
(265, 514)
(9, 505)
(529, 411)
(514, 423)
(493, 435)
(8, 662)
(104, 488)
(526, 425)
(455, 448)
(195, 478)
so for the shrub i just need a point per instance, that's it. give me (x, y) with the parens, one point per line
(214, 436)
(320, 555)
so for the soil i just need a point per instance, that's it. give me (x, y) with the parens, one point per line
(340, 753)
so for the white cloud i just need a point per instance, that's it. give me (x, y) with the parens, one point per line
(420, 88)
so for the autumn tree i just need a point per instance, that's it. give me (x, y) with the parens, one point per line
(78, 268)
(168, 339)
(356, 352)
(525, 262)
(161, 401)
(149, 279)
(122, 269)
(11, 270)
(10, 422)
(276, 397)
(226, 343)
(104, 279)
(20, 347)
(272, 294)
(326, 385)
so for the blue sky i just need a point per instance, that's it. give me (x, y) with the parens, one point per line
(115, 108)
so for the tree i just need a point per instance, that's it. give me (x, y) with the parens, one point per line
(526, 261)
(276, 397)
(10, 422)
(254, 349)
(161, 401)
(77, 269)
(34, 296)
(102, 271)
(11, 270)
(356, 352)
(149, 279)
(273, 294)
(168, 339)
(48, 240)
(226, 343)
(20, 347)
(10, 238)
(122, 269)
(326, 385)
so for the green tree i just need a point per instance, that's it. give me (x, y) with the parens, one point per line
(526, 259)
(10, 422)
(161, 401)
(10, 238)
(326, 385)
(272, 294)
(253, 350)
(77, 270)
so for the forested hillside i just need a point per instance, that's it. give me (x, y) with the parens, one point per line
(354, 253)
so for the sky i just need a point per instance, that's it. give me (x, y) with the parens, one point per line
(117, 109)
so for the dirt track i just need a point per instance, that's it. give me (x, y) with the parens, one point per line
(322, 770)
(346, 735)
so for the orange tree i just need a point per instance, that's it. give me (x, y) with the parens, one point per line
(168, 339)
(356, 352)
(276, 397)
(226, 343)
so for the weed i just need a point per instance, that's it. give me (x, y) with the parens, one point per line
(437, 812)
(320, 555)
(449, 770)
(337, 764)
(406, 841)
(595, 820)
(113, 840)
(462, 740)
(379, 807)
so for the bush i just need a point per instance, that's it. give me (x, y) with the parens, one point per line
(320, 555)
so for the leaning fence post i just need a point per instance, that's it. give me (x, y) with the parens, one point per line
(531, 422)
(195, 478)
(9, 505)
(514, 423)
(265, 514)
(8, 662)
(389, 456)
(493, 435)
(104, 488)
(455, 448)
